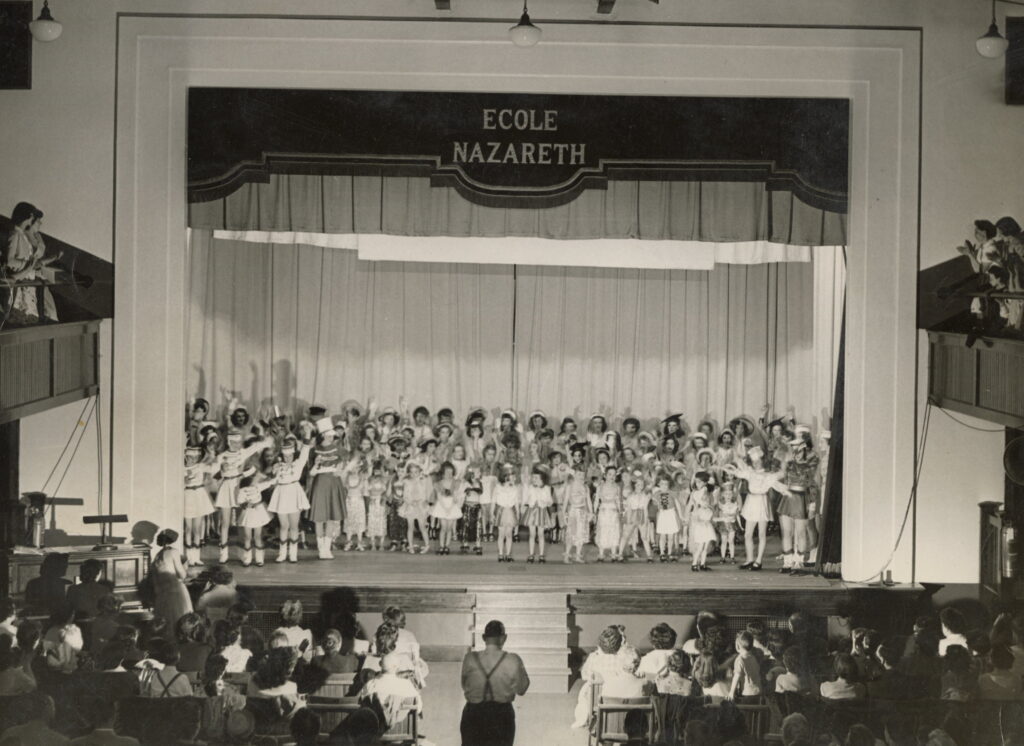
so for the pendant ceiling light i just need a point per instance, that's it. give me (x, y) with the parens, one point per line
(524, 33)
(45, 28)
(992, 44)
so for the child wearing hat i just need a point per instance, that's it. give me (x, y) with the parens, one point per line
(506, 506)
(537, 518)
(488, 470)
(416, 490)
(669, 516)
(727, 512)
(198, 504)
(231, 464)
(702, 531)
(326, 494)
(289, 499)
(637, 497)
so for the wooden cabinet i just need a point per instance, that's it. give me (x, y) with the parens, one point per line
(123, 566)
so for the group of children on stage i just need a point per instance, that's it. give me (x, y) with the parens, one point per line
(384, 477)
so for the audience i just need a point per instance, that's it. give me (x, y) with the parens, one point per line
(37, 716)
(846, 685)
(390, 693)
(746, 672)
(333, 659)
(796, 678)
(677, 678)
(192, 636)
(623, 682)
(891, 683)
(108, 619)
(710, 677)
(227, 643)
(1000, 683)
(796, 730)
(959, 683)
(160, 676)
(8, 618)
(13, 680)
(48, 592)
(305, 727)
(250, 638)
(110, 680)
(84, 598)
(299, 637)
(62, 641)
(954, 627)
(654, 665)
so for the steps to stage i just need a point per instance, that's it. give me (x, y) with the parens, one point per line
(537, 625)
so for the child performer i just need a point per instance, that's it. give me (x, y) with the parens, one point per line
(231, 463)
(376, 510)
(198, 504)
(254, 515)
(559, 485)
(446, 511)
(702, 532)
(289, 499)
(355, 507)
(488, 469)
(326, 495)
(727, 517)
(757, 510)
(471, 492)
(416, 489)
(667, 525)
(538, 505)
(609, 510)
(577, 514)
(506, 506)
(397, 525)
(637, 499)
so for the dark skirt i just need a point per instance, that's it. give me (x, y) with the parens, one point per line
(397, 526)
(470, 529)
(326, 499)
(488, 724)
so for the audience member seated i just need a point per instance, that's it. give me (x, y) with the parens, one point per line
(110, 680)
(1000, 683)
(227, 644)
(299, 637)
(711, 678)
(13, 680)
(334, 660)
(891, 683)
(899, 731)
(219, 596)
(273, 675)
(860, 735)
(100, 713)
(222, 699)
(979, 646)
(705, 621)
(85, 596)
(928, 623)
(385, 641)
(250, 638)
(958, 683)
(797, 677)
(864, 644)
(8, 618)
(954, 629)
(597, 665)
(151, 626)
(192, 635)
(108, 619)
(407, 645)
(677, 679)
(128, 637)
(29, 640)
(389, 691)
(623, 683)
(846, 685)
(698, 733)
(795, 730)
(305, 727)
(35, 729)
(160, 676)
(48, 592)
(654, 665)
(814, 647)
(923, 663)
(62, 641)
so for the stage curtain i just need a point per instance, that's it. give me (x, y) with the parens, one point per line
(409, 206)
(643, 342)
(296, 324)
(293, 325)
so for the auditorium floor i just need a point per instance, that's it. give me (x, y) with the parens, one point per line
(540, 718)
(384, 569)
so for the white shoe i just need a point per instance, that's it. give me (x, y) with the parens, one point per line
(282, 553)
(328, 554)
(259, 557)
(293, 551)
(224, 554)
(321, 547)
(246, 557)
(197, 555)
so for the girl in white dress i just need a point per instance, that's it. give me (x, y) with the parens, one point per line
(355, 508)
(538, 512)
(289, 499)
(254, 516)
(636, 497)
(232, 463)
(757, 510)
(447, 508)
(727, 517)
(702, 530)
(416, 489)
(609, 514)
(668, 522)
(198, 504)
(506, 506)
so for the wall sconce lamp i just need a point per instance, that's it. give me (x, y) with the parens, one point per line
(524, 33)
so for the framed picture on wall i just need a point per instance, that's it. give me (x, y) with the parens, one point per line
(15, 44)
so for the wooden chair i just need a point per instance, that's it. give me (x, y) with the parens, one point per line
(757, 717)
(406, 730)
(337, 685)
(332, 710)
(595, 698)
(611, 718)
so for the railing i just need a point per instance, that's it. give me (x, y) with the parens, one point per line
(984, 380)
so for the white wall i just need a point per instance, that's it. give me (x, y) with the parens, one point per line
(58, 141)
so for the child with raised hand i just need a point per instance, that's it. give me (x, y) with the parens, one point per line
(254, 516)
(538, 505)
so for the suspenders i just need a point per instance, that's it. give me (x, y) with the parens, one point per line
(488, 692)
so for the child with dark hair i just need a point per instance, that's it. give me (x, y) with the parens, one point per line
(105, 625)
(62, 641)
(954, 629)
(1000, 683)
(891, 683)
(305, 727)
(846, 685)
(797, 678)
(227, 644)
(864, 644)
(128, 636)
(654, 665)
(192, 635)
(708, 674)
(957, 683)
(677, 679)
(979, 646)
(746, 672)
(13, 680)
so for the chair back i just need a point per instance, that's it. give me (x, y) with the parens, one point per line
(405, 730)
(757, 717)
(611, 718)
(332, 711)
(336, 686)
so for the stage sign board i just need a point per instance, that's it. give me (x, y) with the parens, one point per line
(518, 150)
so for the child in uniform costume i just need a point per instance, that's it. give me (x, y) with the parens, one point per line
(397, 525)
(289, 499)
(198, 504)
(254, 515)
(488, 469)
(232, 463)
(538, 505)
(326, 494)
(470, 533)
(668, 523)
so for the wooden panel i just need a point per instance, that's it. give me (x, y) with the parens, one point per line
(126, 566)
(953, 372)
(983, 381)
(1000, 375)
(68, 364)
(412, 600)
(24, 373)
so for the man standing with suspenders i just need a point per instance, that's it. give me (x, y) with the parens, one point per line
(491, 679)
